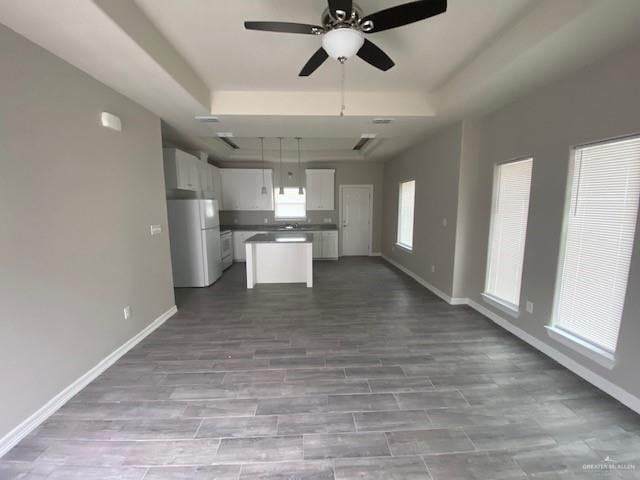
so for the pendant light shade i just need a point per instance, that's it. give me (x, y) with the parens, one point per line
(281, 177)
(300, 188)
(263, 191)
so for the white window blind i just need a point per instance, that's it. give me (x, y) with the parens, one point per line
(604, 188)
(508, 231)
(405, 213)
(291, 205)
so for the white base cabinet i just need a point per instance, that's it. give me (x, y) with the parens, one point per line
(239, 250)
(325, 245)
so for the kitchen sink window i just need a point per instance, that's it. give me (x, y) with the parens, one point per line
(291, 205)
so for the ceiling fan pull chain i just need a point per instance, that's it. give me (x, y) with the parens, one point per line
(342, 102)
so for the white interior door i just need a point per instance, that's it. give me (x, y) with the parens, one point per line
(355, 214)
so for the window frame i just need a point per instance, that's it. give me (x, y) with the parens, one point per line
(570, 339)
(398, 243)
(276, 195)
(490, 298)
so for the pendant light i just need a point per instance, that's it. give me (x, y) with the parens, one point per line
(300, 188)
(264, 186)
(281, 182)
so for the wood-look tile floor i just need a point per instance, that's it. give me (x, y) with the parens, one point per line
(366, 376)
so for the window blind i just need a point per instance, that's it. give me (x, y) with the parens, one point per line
(508, 231)
(291, 205)
(604, 189)
(405, 213)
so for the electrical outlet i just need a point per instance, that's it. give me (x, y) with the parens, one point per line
(529, 306)
(266, 220)
(445, 221)
(156, 230)
(433, 268)
(127, 312)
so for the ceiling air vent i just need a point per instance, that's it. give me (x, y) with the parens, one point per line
(382, 121)
(207, 119)
(226, 138)
(364, 140)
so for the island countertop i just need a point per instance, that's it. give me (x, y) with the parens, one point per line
(278, 237)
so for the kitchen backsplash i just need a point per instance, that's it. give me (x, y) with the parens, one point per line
(228, 217)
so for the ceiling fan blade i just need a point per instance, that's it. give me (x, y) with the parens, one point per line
(345, 6)
(314, 62)
(284, 27)
(372, 54)
(405, 14)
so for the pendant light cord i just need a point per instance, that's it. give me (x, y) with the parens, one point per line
(300, 189)
(262, 154)
(281, 182)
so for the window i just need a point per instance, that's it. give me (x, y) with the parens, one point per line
(405, 214)
(508, 232)
(600, 224)
(291, 205)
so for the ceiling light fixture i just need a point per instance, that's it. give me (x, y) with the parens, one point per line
(264, 186)
(281, 181)
(300, 188)
(207, 119)
(342, 43)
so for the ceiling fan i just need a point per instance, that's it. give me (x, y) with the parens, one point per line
(344, 27)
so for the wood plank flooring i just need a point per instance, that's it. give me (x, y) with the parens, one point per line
(366, 376)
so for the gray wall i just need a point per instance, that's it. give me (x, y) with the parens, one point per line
(347, 173)
(598, 102)
(435, 166)
(454, 174)
(76, 202)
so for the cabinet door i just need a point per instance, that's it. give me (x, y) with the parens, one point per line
(239, 252)
(206, 180)
(320, 189)
(231, 189)
(265, 202)
(317, 244)
(330, 245)
(217, 185)
(242, 189)
(188, 168)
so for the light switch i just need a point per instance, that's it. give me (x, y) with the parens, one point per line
(445, 222)
(529, 307)
(156, 230)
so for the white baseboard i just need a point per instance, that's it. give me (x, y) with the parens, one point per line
(375, 254)
(18, 433)
(427, 285)
(593, 378)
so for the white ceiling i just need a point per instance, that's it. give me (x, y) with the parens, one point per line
(190, 57)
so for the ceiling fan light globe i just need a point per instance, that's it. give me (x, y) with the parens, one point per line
(342, 42)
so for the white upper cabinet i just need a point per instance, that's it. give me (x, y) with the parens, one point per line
(206, 180)
(320, 189)
(181, 170)
(242, 189)
(217, 185)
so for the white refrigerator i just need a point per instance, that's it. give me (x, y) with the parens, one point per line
(194, 232)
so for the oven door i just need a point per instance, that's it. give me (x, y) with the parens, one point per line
(227, 245)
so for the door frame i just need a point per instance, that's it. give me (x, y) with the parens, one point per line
(370, 188)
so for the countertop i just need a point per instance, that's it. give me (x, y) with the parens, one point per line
(281, 237)
(303, 227)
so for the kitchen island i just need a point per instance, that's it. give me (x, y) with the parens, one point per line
(280, 258)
